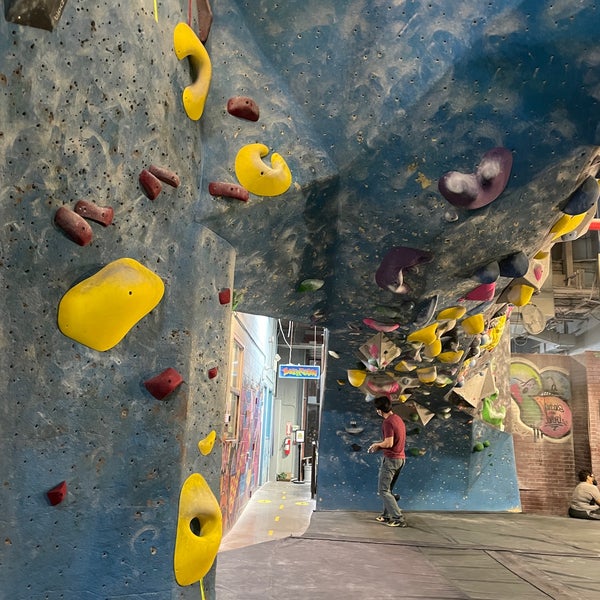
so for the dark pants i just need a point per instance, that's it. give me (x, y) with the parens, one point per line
(593, 515)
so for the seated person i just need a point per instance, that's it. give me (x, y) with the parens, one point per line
(585, 501)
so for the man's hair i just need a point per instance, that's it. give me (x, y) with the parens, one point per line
(583, 474)
(384, 404)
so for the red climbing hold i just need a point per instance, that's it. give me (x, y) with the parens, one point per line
(243, 108)
(151, 185)
(57, 494)
(205, 19)
(165, 175)
(100, 214)
(75, 226)
(228, 190)
(212, 372)
(225, 296)
(164, 383)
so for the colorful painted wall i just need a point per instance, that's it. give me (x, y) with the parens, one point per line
(243, 452)
(554, 424)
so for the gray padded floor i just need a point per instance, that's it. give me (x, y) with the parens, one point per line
(440, 555)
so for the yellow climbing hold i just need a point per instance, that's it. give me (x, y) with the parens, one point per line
(187, 43)
(356, 377)
(474, 325)
(452, 313)
(100, 310)
(566, 224)
(426, 335)
(199, 531)
(520, 294)
(256, 176)
(450, 357)
(404, 366)
(433, 349)
(206, 445)
(427, 374)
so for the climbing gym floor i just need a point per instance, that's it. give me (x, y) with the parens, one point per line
(281, 548)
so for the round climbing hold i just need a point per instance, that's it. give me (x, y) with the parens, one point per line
(432, 350)
(427, 375)
(583, 198)
(478, 447)
(310, 285)
(243, 107)
(515, 265)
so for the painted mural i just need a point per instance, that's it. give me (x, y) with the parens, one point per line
(542, 397)
(240, 462)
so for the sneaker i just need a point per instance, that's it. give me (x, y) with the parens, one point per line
(382, 519)
(396, 523)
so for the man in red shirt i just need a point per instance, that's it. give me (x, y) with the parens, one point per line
(392, 461)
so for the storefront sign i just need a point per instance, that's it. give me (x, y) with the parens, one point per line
(299, 371)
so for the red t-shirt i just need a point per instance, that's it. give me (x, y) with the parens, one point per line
(394, 426)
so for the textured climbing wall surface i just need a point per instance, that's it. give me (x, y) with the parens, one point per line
(83, 110)
(369, 103)
(389, 97)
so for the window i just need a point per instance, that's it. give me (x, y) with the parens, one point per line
(235, 389)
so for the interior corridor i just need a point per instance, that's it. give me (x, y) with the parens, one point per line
(278, 509)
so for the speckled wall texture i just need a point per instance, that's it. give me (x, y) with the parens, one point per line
(82, 111)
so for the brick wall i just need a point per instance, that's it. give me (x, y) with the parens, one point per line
(546, 466)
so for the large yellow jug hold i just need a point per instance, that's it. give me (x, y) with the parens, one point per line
(99, 311)
(187, 43)
(199, 531)
(256, 176)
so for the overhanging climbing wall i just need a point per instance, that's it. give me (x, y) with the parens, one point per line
(369, 104)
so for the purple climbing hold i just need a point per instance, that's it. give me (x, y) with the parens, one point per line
(389, 275)
(475, 190)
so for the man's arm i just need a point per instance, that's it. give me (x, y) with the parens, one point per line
(388, 442)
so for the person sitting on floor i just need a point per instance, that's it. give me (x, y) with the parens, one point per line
(585, 502)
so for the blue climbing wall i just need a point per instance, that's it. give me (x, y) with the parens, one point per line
(369, 103)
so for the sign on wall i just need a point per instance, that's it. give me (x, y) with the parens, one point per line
(299, 371)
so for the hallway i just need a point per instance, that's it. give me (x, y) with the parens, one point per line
(277, 510)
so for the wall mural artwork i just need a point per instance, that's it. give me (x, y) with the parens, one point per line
(542, 397)
(240, 461)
